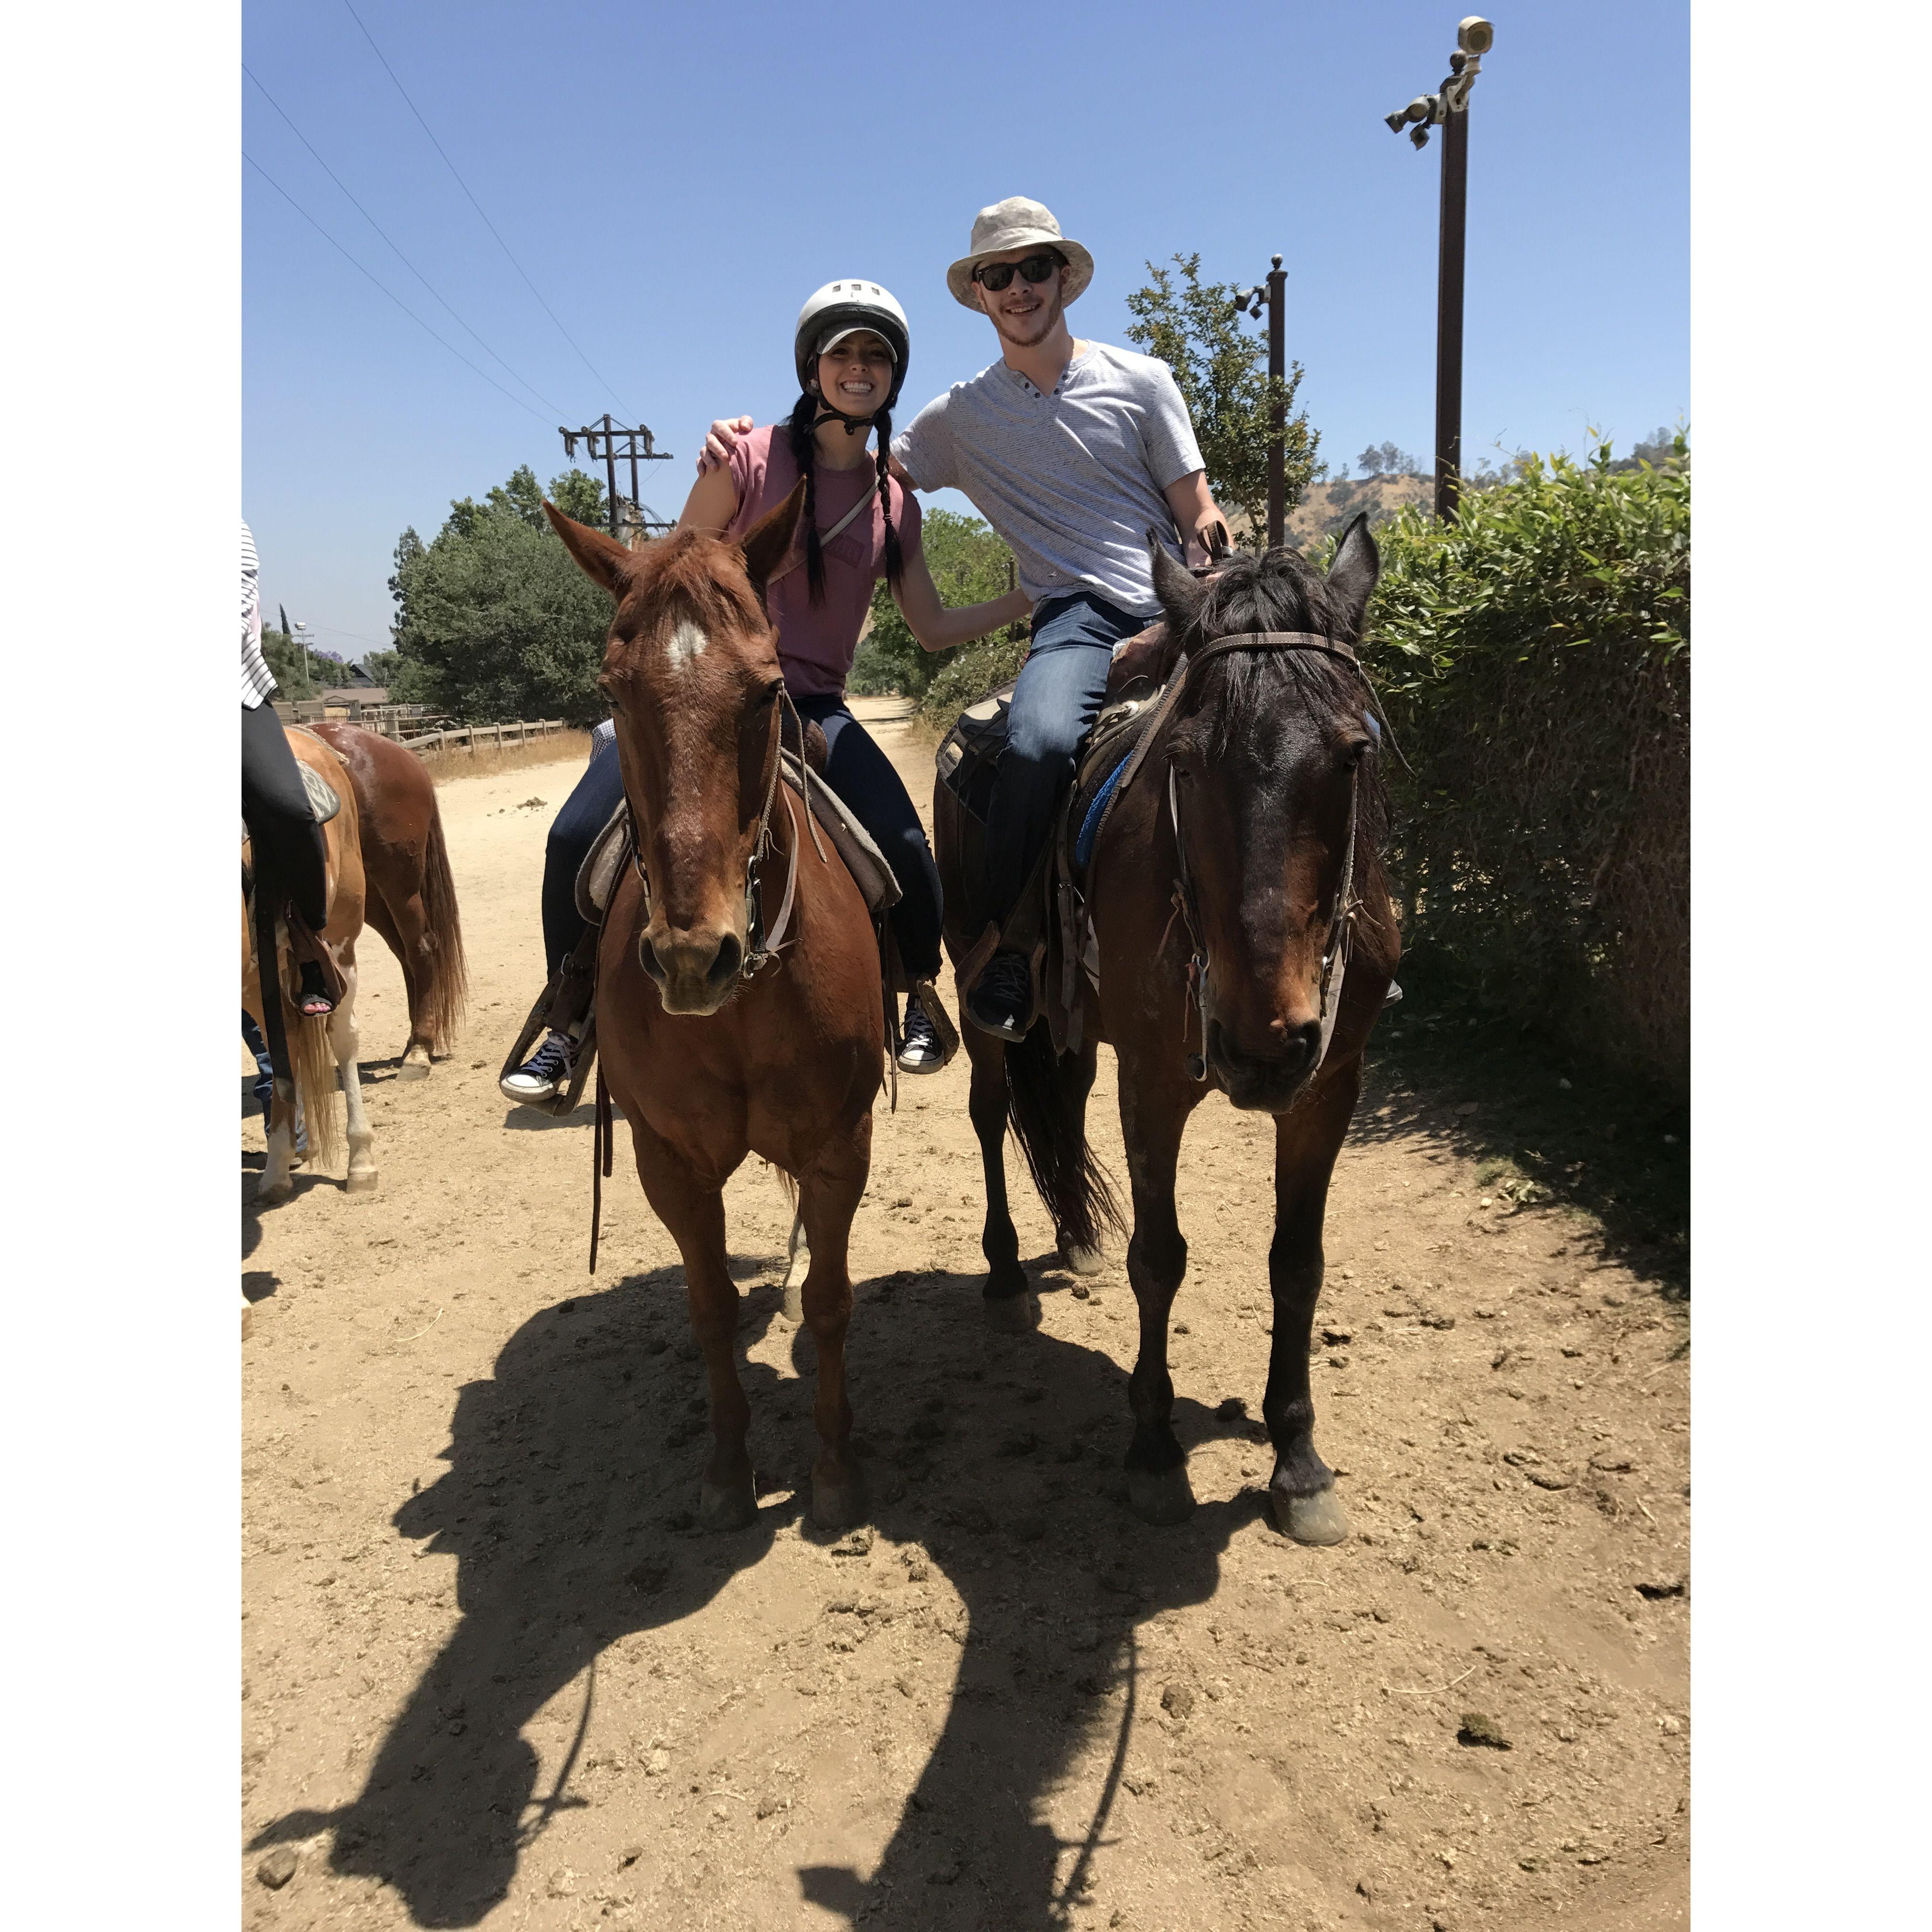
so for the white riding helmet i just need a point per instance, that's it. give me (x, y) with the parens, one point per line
(841, 309)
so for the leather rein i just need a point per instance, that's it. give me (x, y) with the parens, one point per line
(1337, 942)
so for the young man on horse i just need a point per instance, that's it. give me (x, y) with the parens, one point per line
(1070, 449)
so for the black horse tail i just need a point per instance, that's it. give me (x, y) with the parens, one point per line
(1048, 1122)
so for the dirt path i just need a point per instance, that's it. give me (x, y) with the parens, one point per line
(493, 1677)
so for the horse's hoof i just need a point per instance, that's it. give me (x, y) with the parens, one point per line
(274, 1191)
(413, 1068)
(1160, 1495)
(838, 1505)
(727, 1505)
(1011, 1314)
(362, 1182)
(1319, 1519)
(1078, 1260)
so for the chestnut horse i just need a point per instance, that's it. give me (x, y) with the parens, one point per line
(738, 1006)
(319, 1049)
(412, 896)
(1249, 951)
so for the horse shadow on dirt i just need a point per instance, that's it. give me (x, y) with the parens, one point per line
(567, 1505)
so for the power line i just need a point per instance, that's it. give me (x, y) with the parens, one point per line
(487, 222)
(390, 293)
(393, 249)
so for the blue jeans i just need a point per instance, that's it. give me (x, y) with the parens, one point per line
(1062, 686)
(863, 776)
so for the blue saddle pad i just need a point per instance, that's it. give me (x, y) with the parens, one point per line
(1090, 825)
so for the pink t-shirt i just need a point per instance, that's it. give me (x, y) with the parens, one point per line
(816, 642)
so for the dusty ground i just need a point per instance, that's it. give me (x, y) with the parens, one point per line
(492, 1676)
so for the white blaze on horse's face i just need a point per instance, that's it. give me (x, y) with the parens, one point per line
(686, 645)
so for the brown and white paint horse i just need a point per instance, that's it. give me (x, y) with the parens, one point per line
(319, 1048)
(711, 1061)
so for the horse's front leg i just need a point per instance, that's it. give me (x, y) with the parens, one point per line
(1154, 1114)
(692, 1205)
(345, 1044)
(829, 1194)
(1009, 1300)
(1306, 1140)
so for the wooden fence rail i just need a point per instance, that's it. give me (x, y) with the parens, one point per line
(469, 737)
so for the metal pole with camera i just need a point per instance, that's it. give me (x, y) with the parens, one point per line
(1272, 293)
(1449, 109)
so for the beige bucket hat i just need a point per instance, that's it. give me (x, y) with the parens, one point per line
(1017, 223)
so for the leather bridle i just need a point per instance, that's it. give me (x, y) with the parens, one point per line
(1338, 940)
(762, 944)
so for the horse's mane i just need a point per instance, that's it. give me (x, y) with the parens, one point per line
(1277, 590)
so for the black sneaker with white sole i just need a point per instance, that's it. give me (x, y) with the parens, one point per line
(919, 1049)
(1002, 1002)
(544, 1075)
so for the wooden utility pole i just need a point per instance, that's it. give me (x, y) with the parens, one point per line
(602, 439)
(1272, 295)
(1449, 109)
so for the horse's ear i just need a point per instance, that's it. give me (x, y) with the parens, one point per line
(1179, 589)
(1351, 577)
(768, 542)
(602, 559)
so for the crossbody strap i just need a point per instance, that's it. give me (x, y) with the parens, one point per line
(825, 537)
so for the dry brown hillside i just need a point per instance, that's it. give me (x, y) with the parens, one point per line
(1327, 506)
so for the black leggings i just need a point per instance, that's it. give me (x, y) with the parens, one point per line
(863, 776)
(291, 861)
(857, 770)
(586, 812)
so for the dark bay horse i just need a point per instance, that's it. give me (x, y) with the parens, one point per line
(1249, 950)
(411, 894)
(738, 997)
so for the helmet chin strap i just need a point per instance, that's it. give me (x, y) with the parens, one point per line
(854, 425)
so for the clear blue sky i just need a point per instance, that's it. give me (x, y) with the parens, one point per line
(676, 179)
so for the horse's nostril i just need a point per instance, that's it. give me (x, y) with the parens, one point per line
(725, 966)
(648, 959)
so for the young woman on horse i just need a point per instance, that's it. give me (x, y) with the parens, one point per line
(850, 349)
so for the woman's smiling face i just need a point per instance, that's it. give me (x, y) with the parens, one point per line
(855, 376)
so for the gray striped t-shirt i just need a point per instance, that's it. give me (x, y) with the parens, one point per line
(1071, 481)
(257, 680)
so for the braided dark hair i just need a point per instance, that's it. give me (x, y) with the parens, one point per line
(804, 451)
(882, 425)
(798, 430)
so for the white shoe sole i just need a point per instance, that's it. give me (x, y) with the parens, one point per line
(514, 1086)
(922, 1065)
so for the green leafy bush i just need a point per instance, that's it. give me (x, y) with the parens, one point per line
(1533, 658)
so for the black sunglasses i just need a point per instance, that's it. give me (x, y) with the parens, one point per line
(995, 275)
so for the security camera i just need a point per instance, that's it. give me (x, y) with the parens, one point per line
(1475, 36)
(1422, 108)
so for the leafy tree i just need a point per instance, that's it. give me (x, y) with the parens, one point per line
(283, 657)
(494, 620)
(1661, 447)
(1386, 460)
(1221, 369)
(382, 666)
(969, 565)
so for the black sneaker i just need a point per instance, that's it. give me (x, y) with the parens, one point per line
(542, 1076)
(919, 1050)
(1001, 1003)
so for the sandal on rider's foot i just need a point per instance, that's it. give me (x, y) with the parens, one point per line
(313, 1002)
